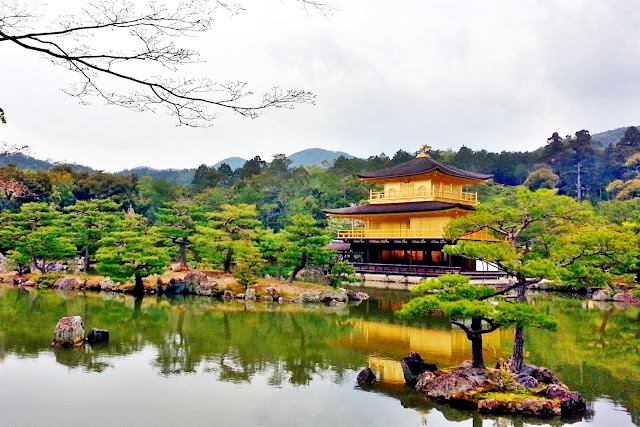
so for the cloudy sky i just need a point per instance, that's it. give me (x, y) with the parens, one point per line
(500, 75)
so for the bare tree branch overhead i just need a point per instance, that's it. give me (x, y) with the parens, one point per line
(148, 35)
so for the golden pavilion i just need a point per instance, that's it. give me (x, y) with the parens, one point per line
(401, 229)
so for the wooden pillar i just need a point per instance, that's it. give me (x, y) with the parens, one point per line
(367, 253)
(410, 253)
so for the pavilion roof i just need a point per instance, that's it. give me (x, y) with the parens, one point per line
(422, 165)
(392, 208)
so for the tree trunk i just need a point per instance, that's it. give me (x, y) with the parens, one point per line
(87, 260)
(138, 289)
(227, 260)
(517, 358)
(183, 253)
(300, 266)
(476, 343)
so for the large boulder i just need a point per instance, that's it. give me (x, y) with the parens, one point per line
(424, 379)
(456, 385)
(571, 402)
(227, 295)
(627, 298)
(68, 332)
(366, 377)
(358, 296)
(28, 284)
(309, 297)
(176, 287)
(543, 375)
(603, 295)
(108, 285)
(331, 295)
(539, 408)
(192, 279)
(412, 366)
(527, 381)
(68, 283)
(250, 294)
(208, 289)
(273, 292)
(97, 336)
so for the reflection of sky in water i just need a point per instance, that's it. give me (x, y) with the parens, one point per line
(40, 391)
(43, 392)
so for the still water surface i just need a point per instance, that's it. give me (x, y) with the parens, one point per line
(194, 361)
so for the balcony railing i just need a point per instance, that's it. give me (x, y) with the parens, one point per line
(421, 233)
(435, 193)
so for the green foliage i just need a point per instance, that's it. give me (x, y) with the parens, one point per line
(90, 221)
(131, 249)
(548, 236)
(177, 223)
(248, 262)
(305, 242)
(541, 178)
(228, 230)
(35, 236)
(47, 280)
(343, 272)
(439, 283)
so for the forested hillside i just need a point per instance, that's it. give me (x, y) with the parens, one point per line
(572, 164)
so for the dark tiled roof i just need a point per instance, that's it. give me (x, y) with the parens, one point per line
(338, 246)
(422, 165)
(390, 208)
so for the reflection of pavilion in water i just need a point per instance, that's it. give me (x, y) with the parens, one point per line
(388, 343)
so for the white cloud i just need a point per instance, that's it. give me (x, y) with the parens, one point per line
(499, 75)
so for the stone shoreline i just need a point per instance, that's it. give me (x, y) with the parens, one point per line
(212, 284)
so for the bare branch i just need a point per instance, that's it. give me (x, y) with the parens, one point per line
(150, 35)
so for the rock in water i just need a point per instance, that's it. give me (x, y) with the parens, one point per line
(412, 366)
(250, 294)
(192, 279)
(329, 295)
(108, 285)
(626, 298)
(69, 332)
(602, 295)
(543, 375)
(366, 377)
(228, 295)
(571, 402)
(424, 379)
(273, 292)
(358, 296)
(309, 297)
(207, 289)
(97, 335)
(66, 283)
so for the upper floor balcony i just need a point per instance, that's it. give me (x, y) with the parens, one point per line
(423, 195)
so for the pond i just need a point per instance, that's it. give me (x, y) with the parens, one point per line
(196, 361)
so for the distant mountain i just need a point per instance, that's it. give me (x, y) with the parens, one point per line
(26, 162)
(179, 176)
(606, 138)
(234, 162)
(315, 156)
(23, 161)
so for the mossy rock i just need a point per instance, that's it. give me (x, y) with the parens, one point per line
(516, 396)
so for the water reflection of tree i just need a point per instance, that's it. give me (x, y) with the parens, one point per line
(188, 334)
(289, 347)
(594, 351)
